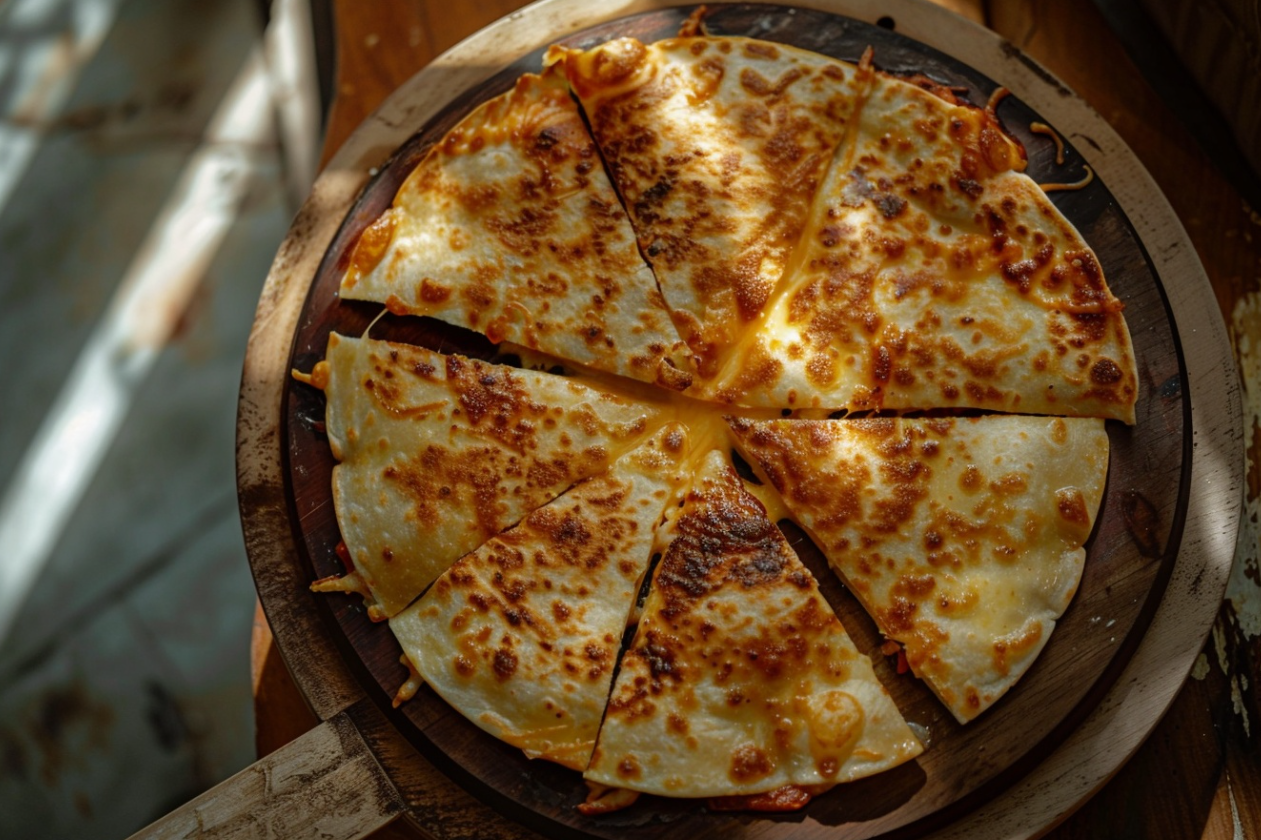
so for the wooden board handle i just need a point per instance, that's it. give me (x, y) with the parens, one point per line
(324, 784)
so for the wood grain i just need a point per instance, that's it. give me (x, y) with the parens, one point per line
(387, 43)
(1067, 828)
(325, 783)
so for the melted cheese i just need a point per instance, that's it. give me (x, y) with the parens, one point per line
(717, 146)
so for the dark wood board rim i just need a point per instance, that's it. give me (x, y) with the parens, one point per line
(337, 174)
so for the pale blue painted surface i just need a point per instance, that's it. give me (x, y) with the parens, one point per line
(125, 689)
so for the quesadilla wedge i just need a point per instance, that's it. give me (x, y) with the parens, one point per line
(934, 273)
(521, 635)
(440, 453)
(717, 146)
(740, 679)
(509, 226)
(962, 538)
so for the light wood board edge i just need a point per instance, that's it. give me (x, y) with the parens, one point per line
(324, 784)
(1144, 691)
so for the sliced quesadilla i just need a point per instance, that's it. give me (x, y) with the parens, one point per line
(717, 146)
(934, 273)
(509, 226)
(962, 538)
(521, 636)
(440, 453)
(740, 679)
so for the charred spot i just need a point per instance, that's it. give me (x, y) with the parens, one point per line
(1086, 265)
(892, 513)
(900, 616)
(761, 49)
(431, 292)
(771, 658)
(969, 187)
(710, 535)
(1105, 372)
(628, 768)
(890, 206)
(800, 579)
(914, 586)
(750, 762)
(505, 663)
(571, 533)
(1011, 484)
(546, 139)
(763, 567)
(513, 591)
(654, 196)
(660, 660)
(1072, 506)
(1092, 325)
(1019, 273)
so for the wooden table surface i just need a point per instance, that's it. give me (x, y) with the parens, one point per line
(1199, 773)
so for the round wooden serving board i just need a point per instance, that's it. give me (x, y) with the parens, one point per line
(1157, 562)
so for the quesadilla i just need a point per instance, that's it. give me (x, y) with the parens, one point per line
(714, 239)
(440, 453)
(933, 274)
(509, 226)
(740, 679)
(962, 538)
(521, 636)
(717, 146)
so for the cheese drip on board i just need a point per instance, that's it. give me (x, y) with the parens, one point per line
(962, 538)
